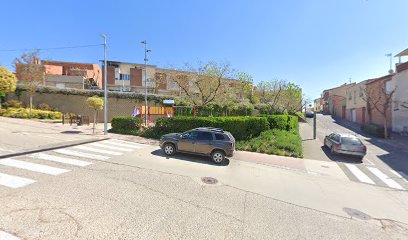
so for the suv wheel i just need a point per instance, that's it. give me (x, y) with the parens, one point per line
(218, 157)
(169, 149)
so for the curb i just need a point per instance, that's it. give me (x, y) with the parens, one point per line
(51, 147)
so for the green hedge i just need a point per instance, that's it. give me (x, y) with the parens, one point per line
(25, 113)
(282, 122)
(240, 127)
(126, 123)
(373, 129)
(274, 141)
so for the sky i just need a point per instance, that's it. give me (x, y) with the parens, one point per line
(316, 44)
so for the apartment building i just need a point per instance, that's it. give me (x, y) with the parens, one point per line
(355, 103)
(400, 97)
(335, 100)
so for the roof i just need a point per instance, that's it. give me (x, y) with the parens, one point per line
(137, 64)
(48, 62)
(403, 53)
(380, 78)
(344, 85)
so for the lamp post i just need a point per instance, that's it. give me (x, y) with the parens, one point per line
(390, 56)
(145, 78)
(105, 88)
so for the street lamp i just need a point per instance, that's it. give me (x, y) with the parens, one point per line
(105, 88)
(390, 56)
(145, 78)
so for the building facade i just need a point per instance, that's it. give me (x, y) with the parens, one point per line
(400, 99)
(335, 100)
(356, 105)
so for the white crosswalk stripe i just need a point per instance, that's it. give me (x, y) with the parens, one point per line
(81, 154)
(110, 147)
(97, 150)
(14, 182)
(34, 167)
(129, 143)
(69, 161)
(404, 176)
(7, 236)
(120, 144)
(387, 180)
(359, 174)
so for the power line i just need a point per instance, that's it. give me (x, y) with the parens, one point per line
(45, 49)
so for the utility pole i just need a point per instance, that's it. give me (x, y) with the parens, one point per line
(105, 88)
(390, 56)
(314, 125)
(145, 78)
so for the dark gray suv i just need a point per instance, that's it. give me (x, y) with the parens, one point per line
(214, 142)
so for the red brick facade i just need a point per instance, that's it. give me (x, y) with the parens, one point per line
(374, 90)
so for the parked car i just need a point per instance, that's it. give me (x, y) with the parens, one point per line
(214, 142)
(345, 144)
(309, 114)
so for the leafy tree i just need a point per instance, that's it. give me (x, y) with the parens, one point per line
(30, 72)
(8, 82)
(96, 103)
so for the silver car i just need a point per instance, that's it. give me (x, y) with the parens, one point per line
(345, 144)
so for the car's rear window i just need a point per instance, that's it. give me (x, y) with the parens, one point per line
(350, 141)
(219, 137)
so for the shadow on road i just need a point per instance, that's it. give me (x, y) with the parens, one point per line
(190, 158)
(341, 158)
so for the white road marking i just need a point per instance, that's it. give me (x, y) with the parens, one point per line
(358, 173)
(81, 154)
(34, 167)
(369, 162)
(48, 157)
(387, 180)
(110, 147)
(129, 143)
(14, 182)
(7, 236)
(97, 150)
(123, 144)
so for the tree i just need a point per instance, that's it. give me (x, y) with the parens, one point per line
(246, 83)
(379, 98)
(96, 103)
(30, 72)
(8, 82)
(202, 83)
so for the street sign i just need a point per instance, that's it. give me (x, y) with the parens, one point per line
(168, 101)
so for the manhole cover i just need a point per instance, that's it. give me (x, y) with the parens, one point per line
(356, 214)
(209, 180)
(71, 132)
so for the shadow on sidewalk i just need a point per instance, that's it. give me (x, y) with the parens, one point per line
(190, 158)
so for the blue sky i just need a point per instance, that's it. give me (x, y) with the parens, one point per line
(317, 44)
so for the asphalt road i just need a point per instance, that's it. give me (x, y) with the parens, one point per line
(390, 161)
(123, 190)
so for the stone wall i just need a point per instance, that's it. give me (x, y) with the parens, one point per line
(76, 104)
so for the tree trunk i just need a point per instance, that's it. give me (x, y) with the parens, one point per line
(385, 127)
(31, 104)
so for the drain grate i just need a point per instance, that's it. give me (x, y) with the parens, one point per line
(354, 213)
(209, 180)
(71, 132)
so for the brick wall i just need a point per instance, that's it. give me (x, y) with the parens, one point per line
(135, 77)
(374, 89)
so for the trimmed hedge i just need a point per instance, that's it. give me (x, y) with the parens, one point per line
(25, 113)
(241, 128)
(282, 122)
(373, 129)
(126, 123)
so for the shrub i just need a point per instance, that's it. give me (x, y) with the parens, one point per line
(282, 122)
(126, 124)
(373, 129)
(13, 104)
(44, 107)
(240, 127)
(274, 141)
(25, 113)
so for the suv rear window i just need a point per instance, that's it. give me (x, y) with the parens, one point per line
(204, 136)
(219, 137)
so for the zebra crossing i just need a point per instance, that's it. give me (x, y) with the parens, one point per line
(7, 236)
(374, 176)
(59, 161)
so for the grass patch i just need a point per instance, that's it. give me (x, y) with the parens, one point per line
(274, 141)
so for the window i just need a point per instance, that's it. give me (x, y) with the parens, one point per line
(219, 137)
(125, 77)
(355, 96)
(189, 135)
(388, 87)
(336, 138)
(350, 96)
(204, 136)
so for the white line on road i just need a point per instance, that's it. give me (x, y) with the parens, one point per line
(81, 154)
(32, 166)
(387, 180)
(358, 173)
(14, 182)
(7, 236)
(110, 147)
(129, 143)
(97, 150)
(404, 175)
(369, 162)
(123, 144)
(48, 157)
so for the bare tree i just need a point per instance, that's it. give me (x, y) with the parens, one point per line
(30, 72)
(380, 99)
